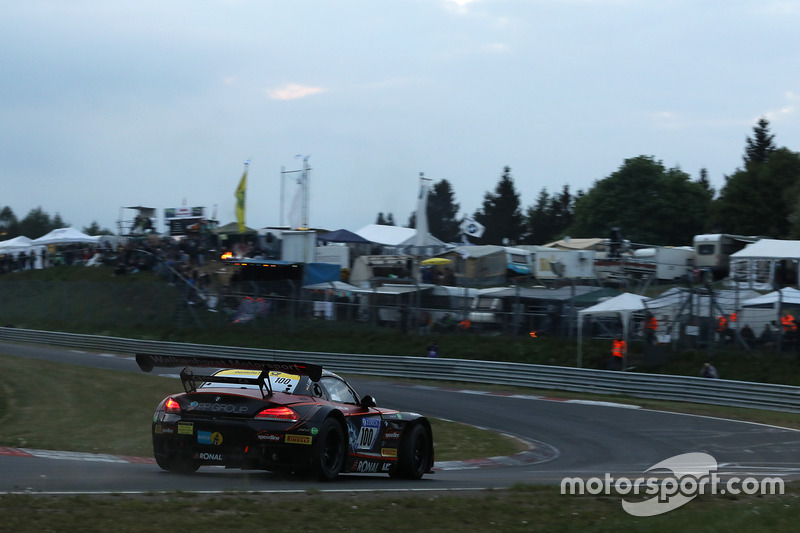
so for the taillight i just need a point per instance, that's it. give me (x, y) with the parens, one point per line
(172, 406)
(282, 414)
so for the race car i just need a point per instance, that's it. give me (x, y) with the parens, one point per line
(282, 417)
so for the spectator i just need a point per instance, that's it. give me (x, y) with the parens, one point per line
(708, 371)
(767, 337)
(748, 335)
(433, 349)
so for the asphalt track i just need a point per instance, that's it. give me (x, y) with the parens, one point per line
(565, 439)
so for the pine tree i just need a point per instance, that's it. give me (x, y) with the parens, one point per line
(501, 214)
(759, 148)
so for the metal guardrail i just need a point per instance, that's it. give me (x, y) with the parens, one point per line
(655, 386)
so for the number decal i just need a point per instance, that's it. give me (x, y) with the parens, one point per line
(370, 427)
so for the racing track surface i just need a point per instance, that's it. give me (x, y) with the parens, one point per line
(567, 439)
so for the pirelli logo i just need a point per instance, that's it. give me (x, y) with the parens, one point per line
(389, 452)
(297, 439)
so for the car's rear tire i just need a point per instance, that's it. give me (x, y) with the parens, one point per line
(414, 455)
(178, 465)
(330, 451)
(174, 461)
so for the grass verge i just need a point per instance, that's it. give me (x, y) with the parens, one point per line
(522, 508)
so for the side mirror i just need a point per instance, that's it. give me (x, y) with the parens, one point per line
(367, 401)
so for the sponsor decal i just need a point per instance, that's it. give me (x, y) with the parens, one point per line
(392, 435)
(207, 437)
(166, 430)
(367, 467)
(217, 407)
(157, 429)
(389, 452)
(370, 427)
(297, 439)
(185, 428)
(210, 456)
(314, 431)
(270, 437)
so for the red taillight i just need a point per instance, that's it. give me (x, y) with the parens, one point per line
(171, 406)
(283, 414)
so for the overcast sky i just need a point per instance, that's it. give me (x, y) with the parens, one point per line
(111, 103)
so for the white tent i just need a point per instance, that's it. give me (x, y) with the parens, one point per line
(65, 236)
(23, 245)
(622, 306)
(787, 295)
(755, 265)
(16, 242)
(396, 236)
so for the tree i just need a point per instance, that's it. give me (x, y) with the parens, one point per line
(537, 221)
(501, 214)
(706, 183)
(550, 217)
(9, 225)
(651, 204)
(758, 149)
(760, 199)
(442, 211)
(37, 223)
(94, 229)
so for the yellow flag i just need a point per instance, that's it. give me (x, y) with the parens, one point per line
(241, 192)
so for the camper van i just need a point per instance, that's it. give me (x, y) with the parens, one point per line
(713, 251)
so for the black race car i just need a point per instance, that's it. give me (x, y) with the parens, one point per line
(281, 416)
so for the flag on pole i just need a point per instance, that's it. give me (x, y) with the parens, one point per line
(241, 193)
(472, 227)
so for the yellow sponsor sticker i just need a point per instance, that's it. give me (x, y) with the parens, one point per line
(297, 439)
(389, 452)
(185, 428)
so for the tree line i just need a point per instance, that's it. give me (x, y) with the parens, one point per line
(651, 204)
(37, 223)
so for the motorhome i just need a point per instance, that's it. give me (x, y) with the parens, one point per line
(713, 251)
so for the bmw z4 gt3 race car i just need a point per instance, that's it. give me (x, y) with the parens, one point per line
(281, 416)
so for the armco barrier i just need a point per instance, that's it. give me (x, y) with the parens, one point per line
(656, 386)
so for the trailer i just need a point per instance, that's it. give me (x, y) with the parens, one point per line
(663, 263)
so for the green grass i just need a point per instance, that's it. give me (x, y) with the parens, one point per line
(522, 508)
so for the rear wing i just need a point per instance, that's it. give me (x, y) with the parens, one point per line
(190, 379)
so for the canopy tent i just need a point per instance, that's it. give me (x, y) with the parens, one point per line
(16, 242)
(787, 295)
(343, 235)
(623, 306)
(761, 264)
(65, 236)
(395, 236)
